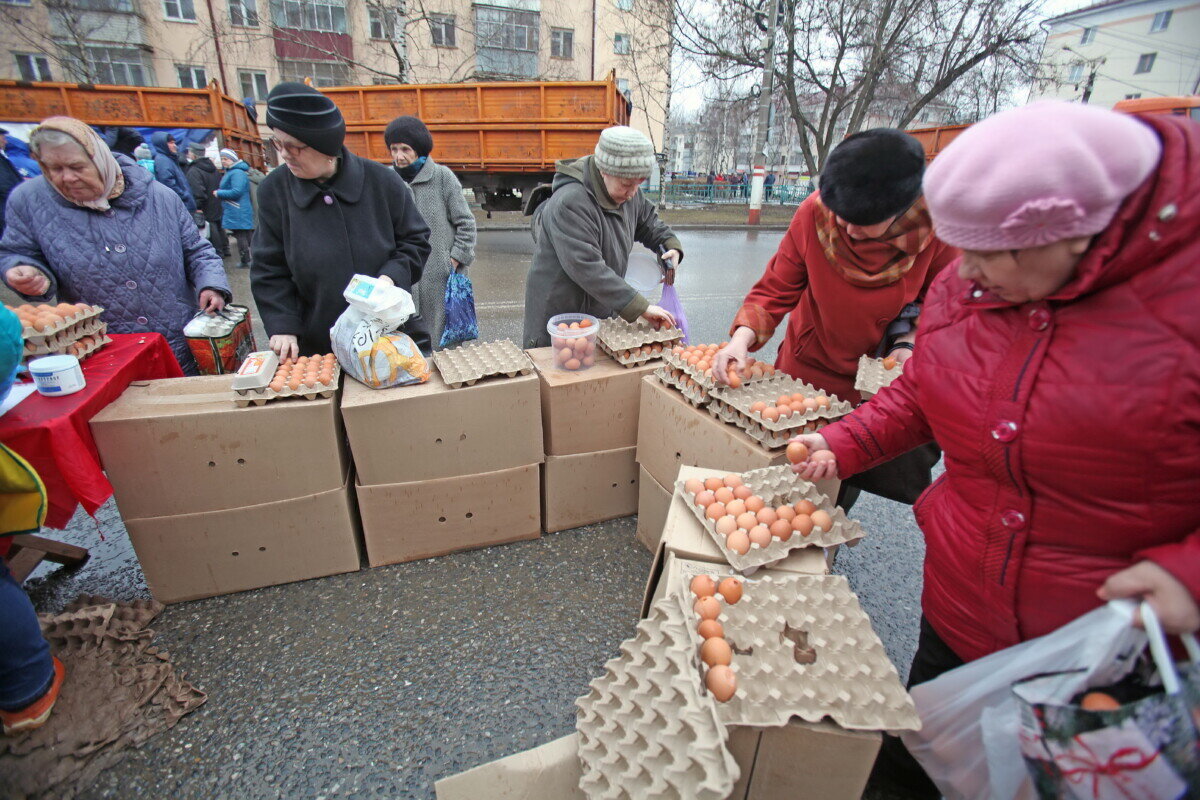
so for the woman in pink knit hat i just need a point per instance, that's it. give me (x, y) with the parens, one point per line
(1058, 370)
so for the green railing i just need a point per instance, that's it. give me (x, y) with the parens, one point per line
(702, 194)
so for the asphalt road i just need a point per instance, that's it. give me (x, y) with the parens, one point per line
(377, 683)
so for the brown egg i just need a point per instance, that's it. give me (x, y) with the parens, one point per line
(738, 542)
(715, 510)
(742, 492)
(721, 683)
(65, 309)
(785, 512)
(781, 529)
(707, 607)
(735, 507)
(732, 481)
(325, 376)
(294, 383)
(797, 452)
(889, 363)
(754, 504)
(810, 404)
(573, 364)
(731, 590)
(726, 525)
(703, 586)
(1092, 701)
(693, 486)
(822, 520)
(822, 401)
(712, 484)
(565, 355)
(766, 516)
(705, 499)
(770, 414)
(802, 524)
(758, 407)
(805, 506)
(724, 494)
(784, 411)
(760, 535)
(746, 521)
(708, 628)
(716, 652)
(277, 385)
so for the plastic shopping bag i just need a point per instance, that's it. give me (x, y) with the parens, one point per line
(461, 324)
(1144, 745)
(670, 302)
(968, 743)
(366, 337)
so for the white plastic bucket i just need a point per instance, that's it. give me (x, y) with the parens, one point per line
(56, 376)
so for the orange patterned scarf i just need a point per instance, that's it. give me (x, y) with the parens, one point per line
(875, 262)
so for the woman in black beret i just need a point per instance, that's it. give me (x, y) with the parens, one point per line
(329, 215)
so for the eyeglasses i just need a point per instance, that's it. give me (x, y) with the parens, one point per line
(290, 149)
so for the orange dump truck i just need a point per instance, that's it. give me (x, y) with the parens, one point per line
(136, 107)
(499, 138)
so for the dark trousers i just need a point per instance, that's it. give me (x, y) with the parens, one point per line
(243, 242)
(216, 235)
(26, 670)
(895, 767)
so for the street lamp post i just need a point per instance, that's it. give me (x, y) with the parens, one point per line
(764, 110)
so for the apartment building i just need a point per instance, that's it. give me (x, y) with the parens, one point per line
(1122, 49)
(250, 45)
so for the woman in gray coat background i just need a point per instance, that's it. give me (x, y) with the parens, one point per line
(440, 200)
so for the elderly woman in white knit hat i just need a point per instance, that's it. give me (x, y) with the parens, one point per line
(583, 234)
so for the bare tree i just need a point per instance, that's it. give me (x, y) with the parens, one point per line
(63, 30)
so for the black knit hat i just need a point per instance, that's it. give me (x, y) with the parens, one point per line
(301, 111)
(410, 131)
(873, 175)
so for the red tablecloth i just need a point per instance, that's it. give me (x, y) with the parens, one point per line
(52, 433)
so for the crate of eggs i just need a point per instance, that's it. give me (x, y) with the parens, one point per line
(683, 383)
(774, 410)
(53, 329)
(696, 362)
(784, 646)
(757, 518)
(470, 363)
(874, 374)
(645, 727)
(262, 378)
(633, 343)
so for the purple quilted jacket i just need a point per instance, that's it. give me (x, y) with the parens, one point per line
(143, 260)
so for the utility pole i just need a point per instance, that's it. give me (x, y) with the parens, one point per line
(762, 128)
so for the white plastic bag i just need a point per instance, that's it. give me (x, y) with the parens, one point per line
(366, 340)
(968, 743)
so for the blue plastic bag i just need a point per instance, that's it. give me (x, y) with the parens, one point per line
(461, 324)
(670, 302)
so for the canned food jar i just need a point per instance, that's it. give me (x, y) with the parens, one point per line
(56, 376)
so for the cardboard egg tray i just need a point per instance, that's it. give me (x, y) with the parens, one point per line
(98, 340)
(872, 376)
(780, 486)
(646, 727)
(802, 647)
(465, 365)
(62, 341)
(693, 394)
(733, 406)
(258, 397)
(708, 383)
(632, 343)
(64, 323)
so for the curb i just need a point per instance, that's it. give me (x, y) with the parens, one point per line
(683, 226)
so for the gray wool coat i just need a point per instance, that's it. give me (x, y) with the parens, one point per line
(451, 235)
(582, 243)
(143, 260)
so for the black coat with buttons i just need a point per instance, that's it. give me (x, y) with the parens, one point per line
(313, 237)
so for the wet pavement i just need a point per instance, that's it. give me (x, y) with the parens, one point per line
(379, 682)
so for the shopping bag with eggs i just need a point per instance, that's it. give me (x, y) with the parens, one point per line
(367, 339)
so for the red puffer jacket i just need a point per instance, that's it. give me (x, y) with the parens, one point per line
(1071, 427)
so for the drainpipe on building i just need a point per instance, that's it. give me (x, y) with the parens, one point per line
(593, 75)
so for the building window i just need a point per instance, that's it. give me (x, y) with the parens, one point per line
(254, 84)
(441, 29)
(191, 77)
(1088, 36)
(33, 68)
(1145, 63)
(623, 86)
(1161, 21)
(183, 10)
(123, 66)
(381, 23)
(323, 73)
(507, 41)
(625, 5)
(243, 13)
(621, 44)
(1075, 74)
(1134, 96)
(562, 43)
(310, 15)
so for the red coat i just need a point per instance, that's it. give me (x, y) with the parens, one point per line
(1071, 427)
(832, 321)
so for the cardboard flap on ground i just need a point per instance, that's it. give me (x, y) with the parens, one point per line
(422, 519)
(802, 761)
(180, 446)
(589, 487)
(653, 501)
(430, 431)
(189, 556)
(589, 410)
(549, 772)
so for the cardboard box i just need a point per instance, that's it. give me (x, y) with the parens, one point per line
(189, 556)
(549, 772)
(181, 446)
(591, 410)
(653, 501)
(421, 519)
(430, 431)
(589, 487)
(802, 761)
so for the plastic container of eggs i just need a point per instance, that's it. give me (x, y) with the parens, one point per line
(573, 337)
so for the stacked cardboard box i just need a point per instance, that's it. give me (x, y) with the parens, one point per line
(590, 422)
(221, 499)
(443, 469)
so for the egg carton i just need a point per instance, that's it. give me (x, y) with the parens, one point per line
(85, 350)
(258, 397)
(693, 394)
(872, 376)
(733, 406)
(802, 647)
(465, 365)
(780, 486)
(674, 360)
(634, 343)
(40, 335)
(646, 727)
(62, 341)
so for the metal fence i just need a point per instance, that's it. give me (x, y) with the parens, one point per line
(703, 194)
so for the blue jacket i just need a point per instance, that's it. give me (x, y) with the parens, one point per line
(143, 260)
(168, 171)
(235, 198)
